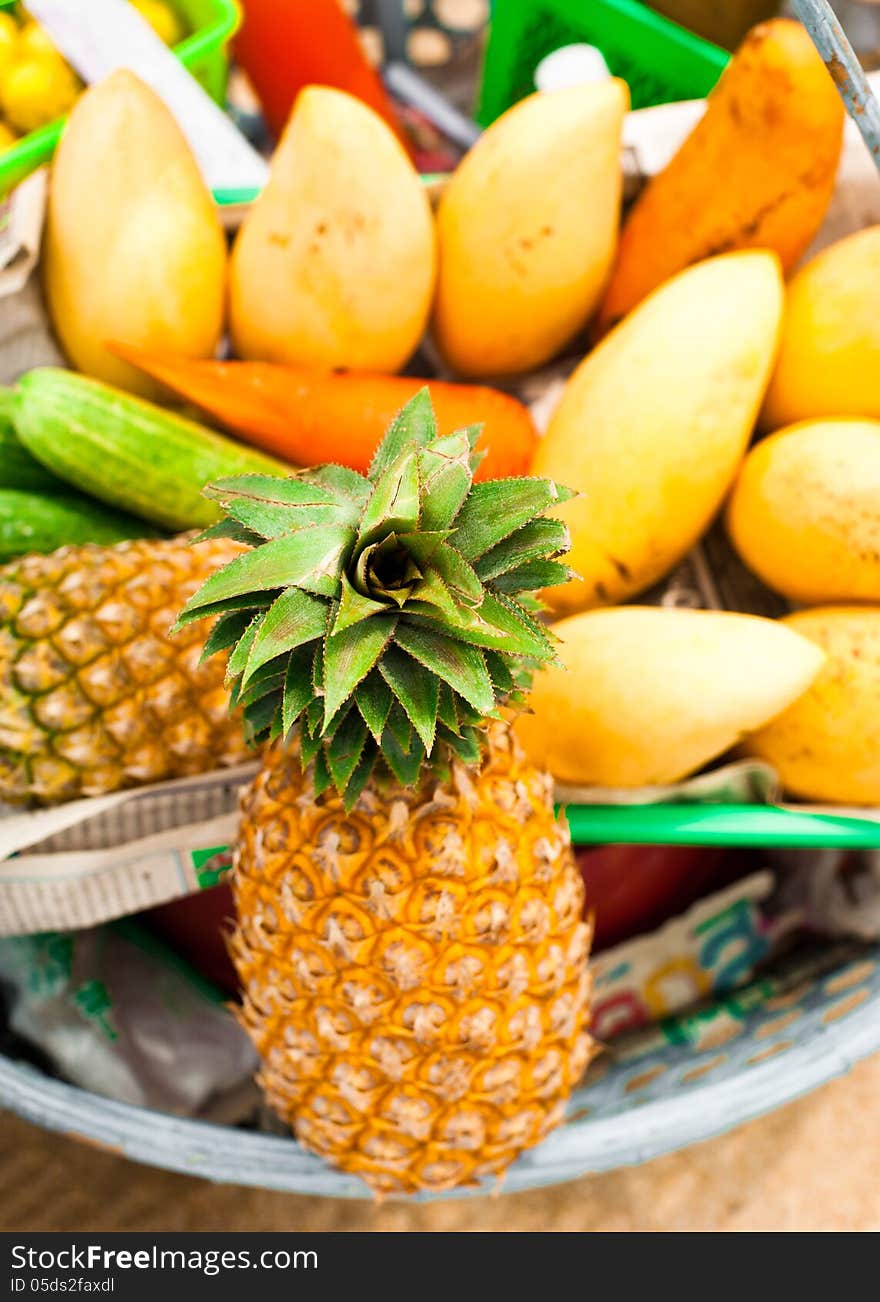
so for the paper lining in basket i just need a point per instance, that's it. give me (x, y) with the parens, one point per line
(92, 860)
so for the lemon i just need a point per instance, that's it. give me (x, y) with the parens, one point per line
(7, 137)
(35, 42)
(35, 91)
(8, 41)
(162, 18)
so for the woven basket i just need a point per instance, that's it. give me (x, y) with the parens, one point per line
(624, 1114)
(720, 1066)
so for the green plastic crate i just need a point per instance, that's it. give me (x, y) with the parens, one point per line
(211, 24)
(659, 60)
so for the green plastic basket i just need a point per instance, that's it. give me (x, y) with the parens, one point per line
(211, 24)
(659, 60)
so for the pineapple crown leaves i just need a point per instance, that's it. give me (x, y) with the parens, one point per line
(385, 615)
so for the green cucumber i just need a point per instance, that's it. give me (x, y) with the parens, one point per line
(128, 452)
(18, 469)
(32, 522)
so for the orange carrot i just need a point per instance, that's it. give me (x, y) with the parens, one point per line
(307, 417)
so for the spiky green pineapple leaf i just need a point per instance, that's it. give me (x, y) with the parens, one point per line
(226, 632)
(464, 745)
(321, 776)
(404, 763)
(457, 575)
(374, 699)
(339, 479)
(414, 424)
(311, 738)
(532, 575)
(268, 679)
(354, 606)
(416, 689)
(242, 649)
(297, 691)
(500, 672)
(258, 715)
(498, 626)
(295, 618)
(311, 559)
(345, 749)
(271, 507)
(227, 528)
(399, 727)
(269, 521)
(432, 599)
(329, 730)
(248, 601)
(318, 665)
(496, 507)
(446, 474)
(540, 539)
(384, 617)
(350, 655)
(447, 713)
(359, 779)
(458, 664)
(394, 505)
(273, 490)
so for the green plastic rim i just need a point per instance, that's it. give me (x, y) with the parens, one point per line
(757, 826)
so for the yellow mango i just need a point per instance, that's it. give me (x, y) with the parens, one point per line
(829, 355)
(334, 265)
(653, 424)
(756, 172)
(649, 694)
(824, 746)
(528, 230)
(804, 513)
(134, 250)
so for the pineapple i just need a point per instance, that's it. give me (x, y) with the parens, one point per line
(410, 938)
(94, 696)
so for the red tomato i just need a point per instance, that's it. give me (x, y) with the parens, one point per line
(196, 926)
(634, 888)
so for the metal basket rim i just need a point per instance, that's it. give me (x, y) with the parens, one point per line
(225, 1154)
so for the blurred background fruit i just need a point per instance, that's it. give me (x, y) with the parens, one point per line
(163, 19)
(8, 39)
(37, 86)
(36, 90)
(196, 926)
(634, 888)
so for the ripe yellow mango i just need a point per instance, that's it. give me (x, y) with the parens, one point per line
(829, 355)
(756, 172)
(649, 694)
(134, 250)
(528, 230)
(334, 265)
(653, 424)
(804, 513)
(824, 746)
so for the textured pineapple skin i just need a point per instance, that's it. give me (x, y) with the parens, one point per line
(414, 973)
(94, 695)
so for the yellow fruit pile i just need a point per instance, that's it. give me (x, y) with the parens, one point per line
(36, 85)
(698, 341)
(654, 429)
